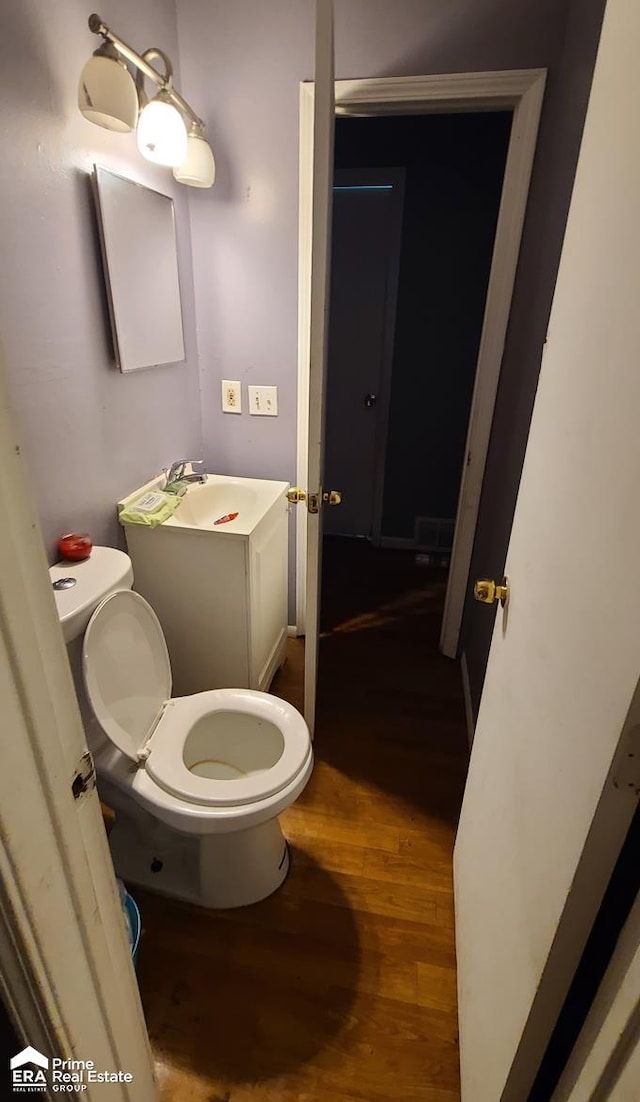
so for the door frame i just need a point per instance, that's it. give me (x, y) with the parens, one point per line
(396, 177)
(518, 90)
(610, 1037)
(67, 977)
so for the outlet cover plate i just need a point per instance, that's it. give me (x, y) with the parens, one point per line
(263, 401)
(231, 396)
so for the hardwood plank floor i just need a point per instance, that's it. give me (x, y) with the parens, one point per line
(341, 986)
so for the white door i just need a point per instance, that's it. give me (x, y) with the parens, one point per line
(547, 802)
(323, 129)
(67, 976)
(365, 261)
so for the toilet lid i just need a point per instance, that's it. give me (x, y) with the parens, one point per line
(126, 669)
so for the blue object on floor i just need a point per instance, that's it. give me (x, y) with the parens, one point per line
(134, 923)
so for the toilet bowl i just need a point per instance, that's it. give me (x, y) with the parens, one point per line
(197, 782)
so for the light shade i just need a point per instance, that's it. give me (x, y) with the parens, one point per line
(107, 94)
(198, 168)
(162, 135)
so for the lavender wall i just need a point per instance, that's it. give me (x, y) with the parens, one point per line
(88, 432)
(243, 62)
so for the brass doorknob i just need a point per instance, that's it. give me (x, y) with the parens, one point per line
(332, 497)
(487, 591)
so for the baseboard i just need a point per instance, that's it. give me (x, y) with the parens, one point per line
(400, 543)
(292, 631)
(468, 706)
(273, 663)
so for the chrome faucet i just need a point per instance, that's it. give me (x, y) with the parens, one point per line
(176, 473)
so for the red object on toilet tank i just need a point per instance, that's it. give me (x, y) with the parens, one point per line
(75, 546)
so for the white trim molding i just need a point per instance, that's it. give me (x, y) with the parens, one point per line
(527, 105)
(468, 703)
(499, 90)
(519, 90)
(305, 230)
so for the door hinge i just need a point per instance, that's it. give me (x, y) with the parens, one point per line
(627, 774)
(85, 777)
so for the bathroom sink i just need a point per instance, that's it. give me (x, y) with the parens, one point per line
(219, 590)
(204, 504)
(220, 496)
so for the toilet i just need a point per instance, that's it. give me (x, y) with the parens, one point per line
(197, 782)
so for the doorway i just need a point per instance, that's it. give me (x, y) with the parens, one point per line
(368, 209)
(412, 244)
(517, 90)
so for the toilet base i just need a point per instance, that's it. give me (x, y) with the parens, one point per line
(217, 870)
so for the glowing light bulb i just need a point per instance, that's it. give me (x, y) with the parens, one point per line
(162, 135)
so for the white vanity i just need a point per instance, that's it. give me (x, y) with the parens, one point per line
(219, 590)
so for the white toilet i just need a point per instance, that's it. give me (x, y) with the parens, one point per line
(197, 782)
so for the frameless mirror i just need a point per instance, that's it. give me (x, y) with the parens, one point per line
(138, 237)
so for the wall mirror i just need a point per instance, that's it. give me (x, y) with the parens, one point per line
(138, 238)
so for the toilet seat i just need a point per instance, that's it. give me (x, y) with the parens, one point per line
(166, 762)
(128, 679)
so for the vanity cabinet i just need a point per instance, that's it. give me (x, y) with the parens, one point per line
(220, 595)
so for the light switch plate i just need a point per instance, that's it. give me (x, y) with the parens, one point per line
(231, 396)
(263, 401)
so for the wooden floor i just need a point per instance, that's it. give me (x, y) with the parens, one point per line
(341, 986)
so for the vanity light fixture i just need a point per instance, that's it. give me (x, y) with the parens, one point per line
(107, 92)
(109, 97)
(198, 168)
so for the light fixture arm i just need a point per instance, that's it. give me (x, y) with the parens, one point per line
(142, 64)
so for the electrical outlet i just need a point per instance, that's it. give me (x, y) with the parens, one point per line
(231, 396)
(263, 401)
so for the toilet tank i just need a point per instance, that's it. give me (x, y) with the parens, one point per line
(79, 587)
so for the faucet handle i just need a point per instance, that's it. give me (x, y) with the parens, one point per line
(175, 471)
(178, 472)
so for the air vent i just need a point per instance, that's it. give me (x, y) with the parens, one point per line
(434, 534)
